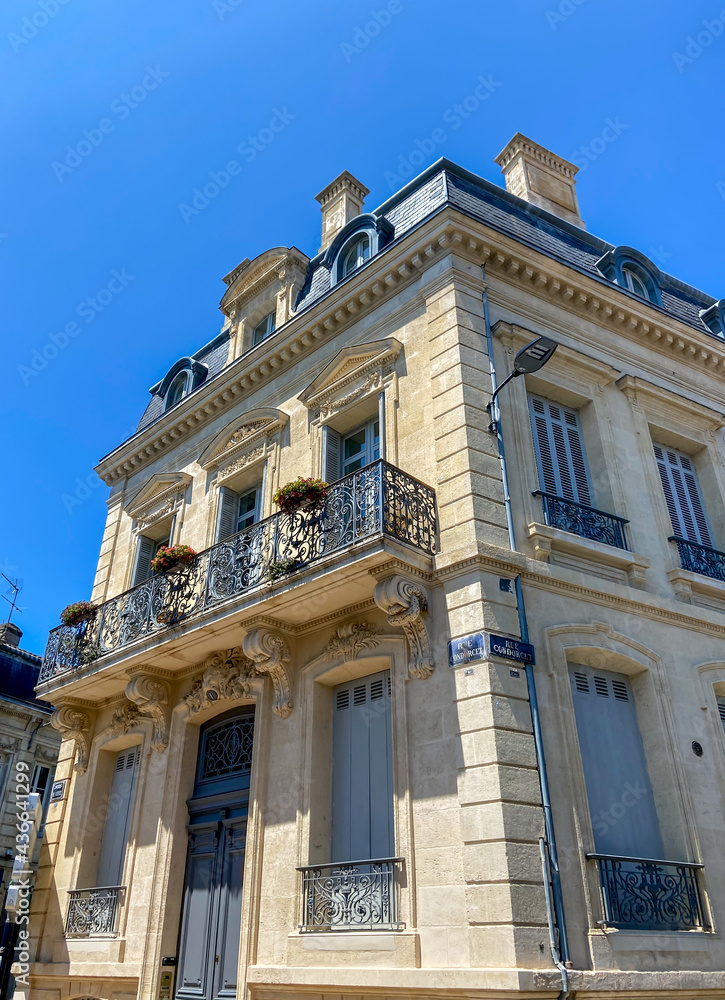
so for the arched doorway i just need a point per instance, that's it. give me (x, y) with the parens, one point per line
(212, 907)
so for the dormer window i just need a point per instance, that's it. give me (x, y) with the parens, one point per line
(634, 283)
(177, 390)
(630, 269)
(264, 328)
(356, 256)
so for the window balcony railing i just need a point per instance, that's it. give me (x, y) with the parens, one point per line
(376, 500)
(93, 912)
(645, 895)
(700, 558)
(351, 896)
(588, 522)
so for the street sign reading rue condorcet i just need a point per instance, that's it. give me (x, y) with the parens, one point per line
(470, 648)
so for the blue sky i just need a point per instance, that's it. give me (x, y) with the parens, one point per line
(158, 95)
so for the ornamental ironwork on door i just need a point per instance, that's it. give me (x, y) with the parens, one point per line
(212, 907)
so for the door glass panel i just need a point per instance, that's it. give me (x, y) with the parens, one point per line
(247, 509)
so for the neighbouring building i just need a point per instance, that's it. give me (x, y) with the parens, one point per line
(277, 782)
(28, 750)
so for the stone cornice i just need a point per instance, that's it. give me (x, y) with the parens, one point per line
(654, 399)
(565, 361)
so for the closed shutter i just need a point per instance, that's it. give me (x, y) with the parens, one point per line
(362, 770)
(560, 455)
(331, 455)
(118, 816)
(621, 804)
(721, 710)
(226, 524)
(683, 496)
(144, 554)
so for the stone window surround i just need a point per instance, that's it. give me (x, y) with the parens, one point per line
(596, 644)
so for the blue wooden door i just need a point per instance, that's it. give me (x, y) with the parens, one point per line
(362, 770)
(212, 907)
(621, 804)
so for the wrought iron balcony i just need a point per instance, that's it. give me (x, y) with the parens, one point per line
(354, 896)
(588, 522)
(700, 558)
(641, 894)
(93, 912)
(376, 500)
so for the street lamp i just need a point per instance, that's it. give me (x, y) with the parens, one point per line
(530, 359)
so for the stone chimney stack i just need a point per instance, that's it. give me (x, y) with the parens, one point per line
(10, 634)
(339, 202)
(538, 176)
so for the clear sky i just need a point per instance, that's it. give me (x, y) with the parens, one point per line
(114, 113)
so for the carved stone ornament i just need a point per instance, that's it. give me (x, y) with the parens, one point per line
(124, 719)
(73, 724)
(406, 603)
(350, 639)
(150, 696)
(9, 745)
(241, 462)
(330, 406)
(270, 654)
(159, 511)
(226, 678)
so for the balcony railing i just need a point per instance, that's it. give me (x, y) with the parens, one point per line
(588, 522)
(700, 558)
(354, 896)
(641, 894)
(93, 912)
(378, 499)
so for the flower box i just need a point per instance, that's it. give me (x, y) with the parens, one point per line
(172, 559)
(77, 613)
(301, 494)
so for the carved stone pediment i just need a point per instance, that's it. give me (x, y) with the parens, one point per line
(352, 374)
(161, 495)
(243, 441)
(351, 639)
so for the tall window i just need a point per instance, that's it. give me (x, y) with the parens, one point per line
(146, 549)
(264, 328)
(356, 256)
(621, 804)
(683, 496)
(177, 389)
(237, 511)
(118, 818)
(560, 455)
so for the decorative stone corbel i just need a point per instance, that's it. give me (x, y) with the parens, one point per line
(405, 603)
(150, 695)
(125, 719)
(74, 724)
(226, 678)
(270, 654)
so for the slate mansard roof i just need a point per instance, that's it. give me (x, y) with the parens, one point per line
(445, 184)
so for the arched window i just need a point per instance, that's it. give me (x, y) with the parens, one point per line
(634, 283)
(264, 328)
(177, 389)
(356, 256)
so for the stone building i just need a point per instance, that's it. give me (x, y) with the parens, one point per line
(277, 785)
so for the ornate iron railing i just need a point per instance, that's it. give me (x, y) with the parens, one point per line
(354, 896)
(641, 894)
(378, 499)
(700, 558)
(588, 522)
(93, 912)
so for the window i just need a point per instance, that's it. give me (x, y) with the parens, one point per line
(40, 783)
(362, 770)
(264, 328)
(361, 447)
(634, 283)
(356, 256)
(721, 709)
(146, 549)
(683, 496)
(118, 818)
(237, 511)
(560, 455)
(177, 389)
(621, 803)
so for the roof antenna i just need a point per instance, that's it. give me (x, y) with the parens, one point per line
(15, 587)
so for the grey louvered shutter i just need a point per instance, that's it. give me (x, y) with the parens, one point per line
(226, 523)
(331, 455)
(560, 455)
(362, 770)
(144, 554)
(118, 817)
(721, 710)
(683, 496)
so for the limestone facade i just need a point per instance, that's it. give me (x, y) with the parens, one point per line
(403, 341)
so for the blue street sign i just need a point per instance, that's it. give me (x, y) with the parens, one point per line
(466, 650)
(511, 649)
(477, 646)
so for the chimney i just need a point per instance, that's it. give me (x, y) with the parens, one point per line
(541, 178)
(10, 634)
(339, 202)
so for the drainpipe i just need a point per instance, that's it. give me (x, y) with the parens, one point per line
(560, 955)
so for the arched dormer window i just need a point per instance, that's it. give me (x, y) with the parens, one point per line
(630, 269)
(355, 256)
(714, 318)
(177, 390)
(264, 328)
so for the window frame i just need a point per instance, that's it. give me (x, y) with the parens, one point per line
(172, 397)
(361, 242)
(369, 446)
(269, 325)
